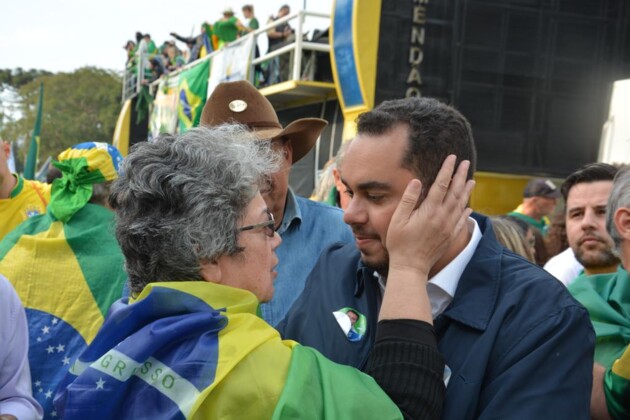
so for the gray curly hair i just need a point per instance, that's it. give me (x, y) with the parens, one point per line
(178, 200)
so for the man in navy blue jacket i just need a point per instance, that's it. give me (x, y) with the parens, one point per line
(516, 344)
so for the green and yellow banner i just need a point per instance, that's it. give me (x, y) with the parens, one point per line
(192, 91)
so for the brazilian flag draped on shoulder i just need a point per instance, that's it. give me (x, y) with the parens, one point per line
(66, 266)
(192, 92)
(184, 350)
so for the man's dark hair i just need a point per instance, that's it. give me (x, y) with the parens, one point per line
(248, 7)
(591, 172)
(436, 130)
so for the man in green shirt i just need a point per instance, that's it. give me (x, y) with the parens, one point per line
(227, 28)
(539, 201)
(248, 13)
(607, 299)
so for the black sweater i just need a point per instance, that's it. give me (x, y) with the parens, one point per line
(406, 364)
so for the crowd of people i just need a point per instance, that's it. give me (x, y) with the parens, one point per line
(245, 300)
(168, 57)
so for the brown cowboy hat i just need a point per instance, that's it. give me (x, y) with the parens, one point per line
(242, 103)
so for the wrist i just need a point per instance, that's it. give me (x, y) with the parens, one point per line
(405, 269)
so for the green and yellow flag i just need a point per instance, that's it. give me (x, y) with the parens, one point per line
(192, 92)
(33, 150)
(66, 267)
(197, 350)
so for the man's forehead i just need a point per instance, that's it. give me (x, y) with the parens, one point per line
(589, 194)
(392, 142)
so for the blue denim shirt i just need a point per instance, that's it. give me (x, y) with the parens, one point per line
(307, 228)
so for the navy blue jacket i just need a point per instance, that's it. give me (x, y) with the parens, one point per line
(517, 344)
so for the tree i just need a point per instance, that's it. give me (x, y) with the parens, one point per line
(19, 77)
(78, 107)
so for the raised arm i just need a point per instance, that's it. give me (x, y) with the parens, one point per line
(7, 180)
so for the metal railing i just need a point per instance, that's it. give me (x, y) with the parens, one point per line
(294, 49)
(298, 50)
(134, 76)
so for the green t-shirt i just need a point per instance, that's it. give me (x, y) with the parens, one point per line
(226, 30)
(152, 49)
(541, 225)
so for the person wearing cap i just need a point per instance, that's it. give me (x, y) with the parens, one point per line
(228, 27)
(306, 227)
(539, 201)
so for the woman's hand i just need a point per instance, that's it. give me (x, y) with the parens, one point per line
(420, 233)
(418, 236)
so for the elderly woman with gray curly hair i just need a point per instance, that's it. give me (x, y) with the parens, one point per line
(199, 245)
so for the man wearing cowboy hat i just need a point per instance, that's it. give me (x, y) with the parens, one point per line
(306, 227)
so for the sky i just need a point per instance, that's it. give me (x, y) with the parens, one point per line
(64, 35)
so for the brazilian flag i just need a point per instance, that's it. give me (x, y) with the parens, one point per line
(66, 267)
(192, 91)
(197, 350)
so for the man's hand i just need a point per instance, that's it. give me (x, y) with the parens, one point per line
(418, 235)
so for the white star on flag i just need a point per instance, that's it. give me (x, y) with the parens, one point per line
(53, 414)
(46, 329)
(38, 383)
(50, 349)
(39, 339)
(48, 394)
(41, 389)
(100, 383)
(61, 348)
(54, 321)
(66, 360)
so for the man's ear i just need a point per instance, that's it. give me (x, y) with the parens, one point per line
(211, 271)
(337, 178)
(287, 149)
(621, 219)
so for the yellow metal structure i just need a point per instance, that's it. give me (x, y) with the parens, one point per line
(354, 52)
(496, 194)
(121, 132)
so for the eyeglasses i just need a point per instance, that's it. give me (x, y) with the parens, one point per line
(269, 226)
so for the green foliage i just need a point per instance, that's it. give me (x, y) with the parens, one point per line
(19, 77)
(78, 107)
